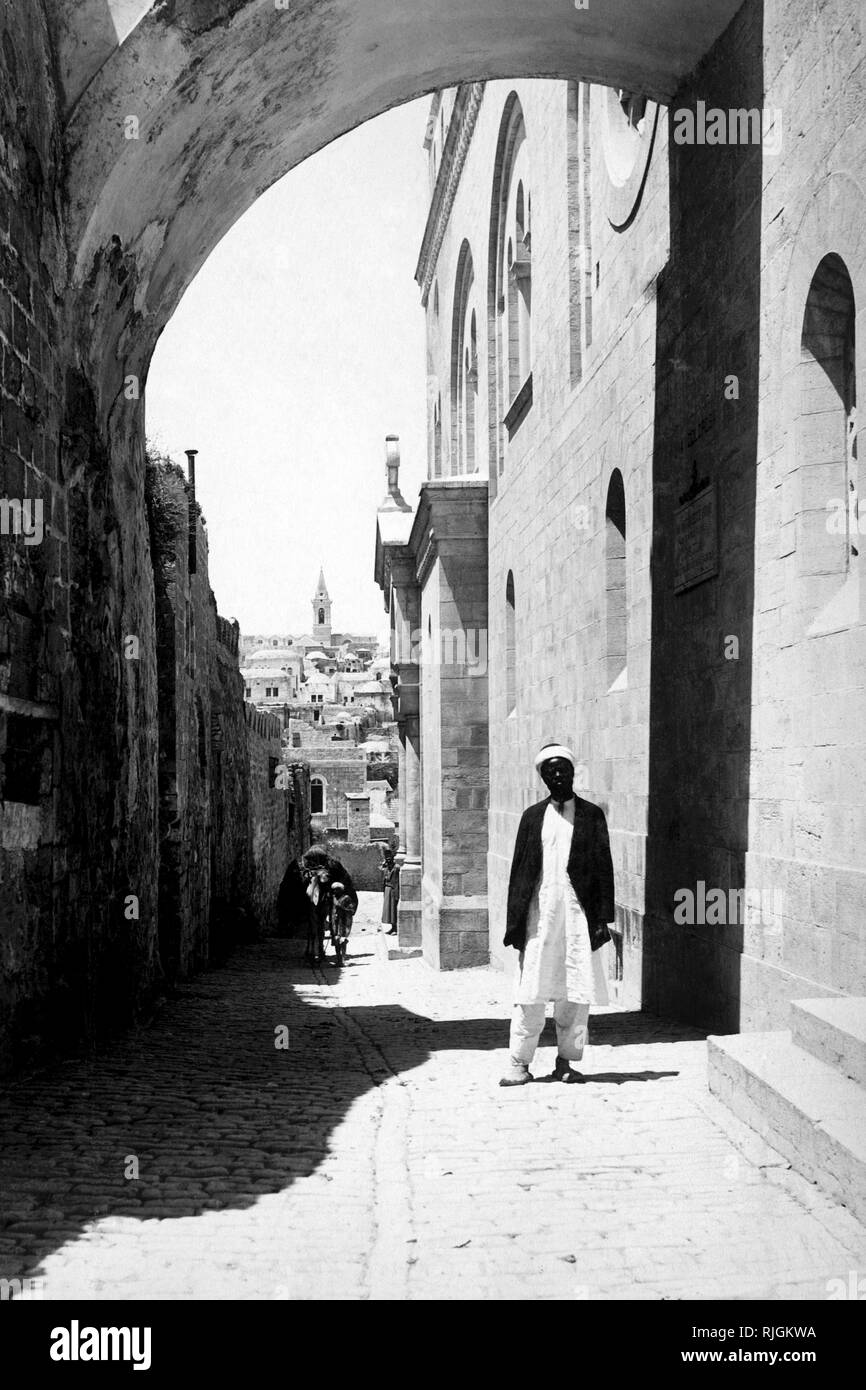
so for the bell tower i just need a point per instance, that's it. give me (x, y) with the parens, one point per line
(322, 612)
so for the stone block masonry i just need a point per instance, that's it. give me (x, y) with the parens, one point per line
(100, 235)
(696, 337)
(228, 828)
(78, 719)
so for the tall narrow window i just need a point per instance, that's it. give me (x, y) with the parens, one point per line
(615, 582)
(522, 281)
(510, 647)
(471, 369)
(464, 366)
(317, 797)
(826, 540)
(509, 297)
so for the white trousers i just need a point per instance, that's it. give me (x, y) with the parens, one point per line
(527, 1023)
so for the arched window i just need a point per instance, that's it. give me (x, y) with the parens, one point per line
(471, 370)
(509, 297)
(827, 440)
(616, 622)
(317, 796)
(321, 617)
(517, 283)
(510, 647)
(464, 367)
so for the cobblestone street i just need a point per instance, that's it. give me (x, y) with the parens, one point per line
(376, 1156)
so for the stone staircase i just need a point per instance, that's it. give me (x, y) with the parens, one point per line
(804, 1091)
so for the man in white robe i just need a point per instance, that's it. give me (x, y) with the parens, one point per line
(553, 885)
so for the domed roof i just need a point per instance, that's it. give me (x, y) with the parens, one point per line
(263, 654)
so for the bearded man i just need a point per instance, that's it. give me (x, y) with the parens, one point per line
(560, 899)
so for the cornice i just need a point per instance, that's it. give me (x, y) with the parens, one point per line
(432, 525)
(460, 128)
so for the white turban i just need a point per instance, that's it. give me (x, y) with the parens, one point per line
(554, 750)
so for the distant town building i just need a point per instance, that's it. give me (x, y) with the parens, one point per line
(322, 612)
(273, 677)
(332, 693)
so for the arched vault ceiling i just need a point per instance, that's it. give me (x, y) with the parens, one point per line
(230, 94)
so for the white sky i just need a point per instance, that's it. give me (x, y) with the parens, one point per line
(297, 348)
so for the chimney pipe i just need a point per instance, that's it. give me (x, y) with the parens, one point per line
(392, 463)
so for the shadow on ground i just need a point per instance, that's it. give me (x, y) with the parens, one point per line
(206, 1108)
(636, 1029)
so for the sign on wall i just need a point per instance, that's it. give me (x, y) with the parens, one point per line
(696, 540)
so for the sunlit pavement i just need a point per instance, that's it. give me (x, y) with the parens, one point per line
(368, 1152)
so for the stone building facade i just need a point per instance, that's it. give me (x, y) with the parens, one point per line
(642, 363)
(754, 762)
(272, 677)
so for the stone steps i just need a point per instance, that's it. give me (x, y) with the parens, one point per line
(802, 1105)
(387, 948)
(834, 1031)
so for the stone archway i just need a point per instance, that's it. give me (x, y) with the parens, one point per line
(227, 95)
(133, 137)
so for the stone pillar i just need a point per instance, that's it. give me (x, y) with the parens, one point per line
(358, 818)
(449, 547)
(401, 768)
(396, 575)
(409, 909)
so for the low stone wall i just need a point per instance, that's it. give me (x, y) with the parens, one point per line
(361, 861)
(270, 838)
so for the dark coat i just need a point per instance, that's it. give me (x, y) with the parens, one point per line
(391, 894)
(317, 859)
(590, 870)
(292, 901)
(338, 874)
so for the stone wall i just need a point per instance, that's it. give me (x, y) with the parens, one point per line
(77, 712)
(807, 813)
(701, 700)
(231, 913)
(547, 522)
(361, 861)
(759, 677)
(34, 601)
(227, 829)
(185, 625)
(342, 770)
(452, 573)
(751, 767)
(277, 821)
(668, 296)
(358, 818)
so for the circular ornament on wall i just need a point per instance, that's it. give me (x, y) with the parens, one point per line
(628, 129)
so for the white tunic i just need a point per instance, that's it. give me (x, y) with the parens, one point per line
(558, 961)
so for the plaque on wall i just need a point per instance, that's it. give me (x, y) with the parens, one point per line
(696, 540)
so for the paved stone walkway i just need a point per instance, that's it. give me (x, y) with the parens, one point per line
(376, 1157)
